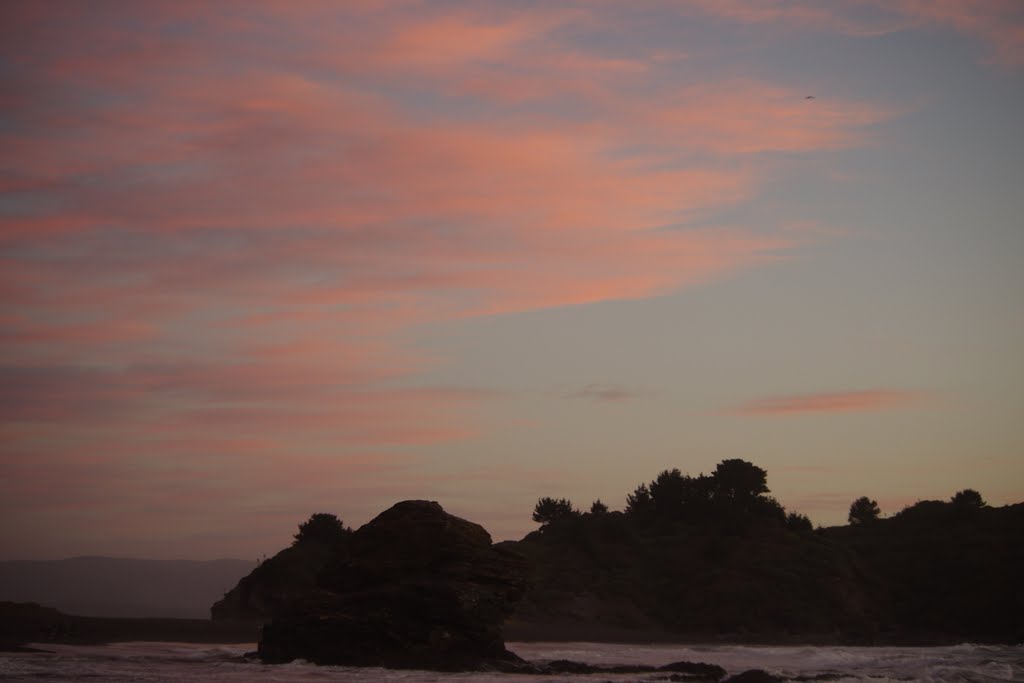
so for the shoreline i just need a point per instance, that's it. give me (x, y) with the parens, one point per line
(600, 633)
(54, 627)
(40, 626)
(103, 631)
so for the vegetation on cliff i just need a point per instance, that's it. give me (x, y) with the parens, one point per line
(281, 582)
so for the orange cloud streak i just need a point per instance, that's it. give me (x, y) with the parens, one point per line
(838, 402)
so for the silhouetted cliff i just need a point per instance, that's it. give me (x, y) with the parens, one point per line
(755, 581)
(727, 564)
(931, 574)
(944, 570)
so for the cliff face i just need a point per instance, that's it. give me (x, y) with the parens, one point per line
(945, 570)
(756, 581)
(419, 589)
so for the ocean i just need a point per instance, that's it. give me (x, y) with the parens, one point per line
(179, 662)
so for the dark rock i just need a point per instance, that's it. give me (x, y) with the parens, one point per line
(695, 669)
(754, 676)
(277, 585)
(683, 671)
(420, 589)
(26, 622)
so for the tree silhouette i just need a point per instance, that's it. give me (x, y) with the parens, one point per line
(675, 495)
(639, 502)
(734, 490)
(739, 480)
(323, 527)
(797, 522)
(969, 498)
(667, 491)
(763, 506)
(598, 508)
(548, 510)
(863, 511)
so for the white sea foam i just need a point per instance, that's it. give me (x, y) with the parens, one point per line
(180, 662)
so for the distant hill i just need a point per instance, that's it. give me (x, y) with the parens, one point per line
(116, 587)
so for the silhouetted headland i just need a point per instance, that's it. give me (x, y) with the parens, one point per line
(707, 558)
(714, 558)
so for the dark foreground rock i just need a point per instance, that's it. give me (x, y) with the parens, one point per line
(420, 588)
(754, 676)
(693, 672)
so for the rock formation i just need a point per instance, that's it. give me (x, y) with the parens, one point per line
(277, 585)
(420, 588)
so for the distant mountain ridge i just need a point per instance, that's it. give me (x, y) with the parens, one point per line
(122, 587)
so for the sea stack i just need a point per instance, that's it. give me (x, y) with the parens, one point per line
(420, 588)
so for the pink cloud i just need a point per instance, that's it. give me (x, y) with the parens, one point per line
(449, 40)
(836, 402)
(541, 212)
(230, 229)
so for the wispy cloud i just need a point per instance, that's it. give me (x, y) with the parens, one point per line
(224, 224)
(831, 402)
(607, 393)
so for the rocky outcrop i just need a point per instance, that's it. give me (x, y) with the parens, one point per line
(692, 672)
(420, 589)
(754, 676)
(279, 584)
(28, 622)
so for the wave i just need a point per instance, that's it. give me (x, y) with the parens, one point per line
(187, 663)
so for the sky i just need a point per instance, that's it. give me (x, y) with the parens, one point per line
(262, 259)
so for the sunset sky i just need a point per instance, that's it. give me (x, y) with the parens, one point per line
(263, 259)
